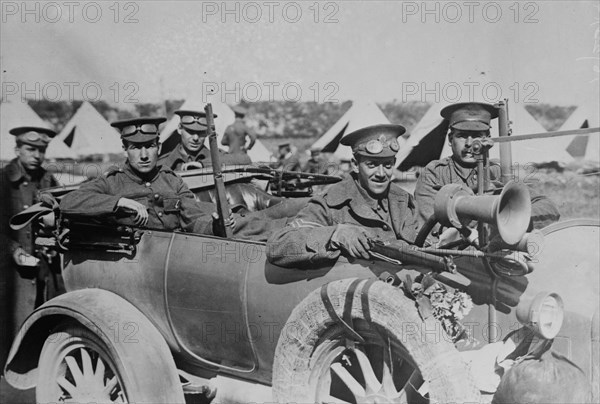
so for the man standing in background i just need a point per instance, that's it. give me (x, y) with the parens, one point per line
(236, 133)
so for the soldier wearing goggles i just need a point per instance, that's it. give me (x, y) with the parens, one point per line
(155, 195)
(145, 194)
(193, 132)
(21, 179)
(351, 213)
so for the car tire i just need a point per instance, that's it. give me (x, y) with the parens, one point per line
(401, 358)
(76, 365)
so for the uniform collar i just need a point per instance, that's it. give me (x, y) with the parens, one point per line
(347, 192)
(349, 189)
(463, 172)
(370, 201)
(202, 154)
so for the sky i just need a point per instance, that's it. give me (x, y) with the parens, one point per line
(326, 51)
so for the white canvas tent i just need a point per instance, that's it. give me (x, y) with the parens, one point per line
(361, 114)
(535, 150)
(427, 141)
(57, 149)
(88, 133)
(14, 114)
(225, 117)
(583, 147)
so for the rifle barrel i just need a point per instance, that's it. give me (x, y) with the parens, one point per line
(222, 204)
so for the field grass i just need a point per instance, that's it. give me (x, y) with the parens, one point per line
(577, 196)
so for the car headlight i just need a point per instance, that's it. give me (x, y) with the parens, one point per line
(543, 314)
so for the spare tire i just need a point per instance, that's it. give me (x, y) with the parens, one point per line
(391, 355)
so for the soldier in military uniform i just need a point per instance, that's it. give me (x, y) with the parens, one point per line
(315, 164)
(26, 280)
(286, 160)
(236, 133)
(469, 121)
(156, 196)
(350, 213)
(193, 131)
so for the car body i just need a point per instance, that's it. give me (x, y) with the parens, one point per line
(211, 306)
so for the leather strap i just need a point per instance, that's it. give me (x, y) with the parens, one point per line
(349, 331)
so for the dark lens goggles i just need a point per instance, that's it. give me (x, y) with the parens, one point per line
(194, 123)
(190, 119)
(147, 128)
(376, 146)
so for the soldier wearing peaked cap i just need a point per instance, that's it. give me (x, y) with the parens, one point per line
(26, 276)
(344, 219)
(316, 164)
(193, 132)
(286, 160)
(155, 195)
(467, 122)
(238, 133)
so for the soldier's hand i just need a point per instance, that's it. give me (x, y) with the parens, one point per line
(22, 258)
(351, 239)
(229, 222)
(451, 234)
(140, 211)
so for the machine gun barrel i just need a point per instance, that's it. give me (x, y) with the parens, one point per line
(585, 131)
(412, 255)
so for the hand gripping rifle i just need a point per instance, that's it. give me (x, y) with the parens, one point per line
(222, 204)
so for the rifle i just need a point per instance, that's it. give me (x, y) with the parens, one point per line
(222, 204)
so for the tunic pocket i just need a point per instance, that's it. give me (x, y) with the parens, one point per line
(172, 205)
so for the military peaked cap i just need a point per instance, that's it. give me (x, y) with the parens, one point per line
(375, 141)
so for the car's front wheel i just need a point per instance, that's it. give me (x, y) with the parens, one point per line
(78, 366)
(390, 356)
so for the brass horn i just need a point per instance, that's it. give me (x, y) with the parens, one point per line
(456, 206)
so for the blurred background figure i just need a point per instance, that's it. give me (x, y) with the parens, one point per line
(286, 159)
(236, 133)
(316, 164)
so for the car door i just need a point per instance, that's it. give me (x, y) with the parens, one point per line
(206, 299)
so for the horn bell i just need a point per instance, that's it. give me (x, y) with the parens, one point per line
(456, 206)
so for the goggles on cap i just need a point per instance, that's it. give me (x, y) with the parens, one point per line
(190, 119)
(194, 123)
(34, 137)
(376, 146)
(146, 128)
